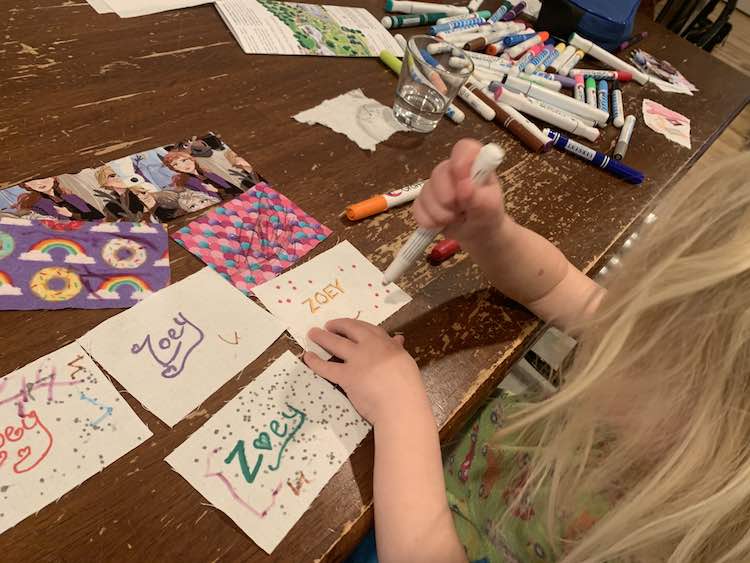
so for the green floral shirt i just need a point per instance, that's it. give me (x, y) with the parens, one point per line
(484, 476)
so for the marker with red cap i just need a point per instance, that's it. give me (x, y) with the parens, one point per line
(621, 75)
(443, 250)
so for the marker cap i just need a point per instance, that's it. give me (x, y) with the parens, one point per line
(387, 22)
(624, 75)
(579, 79)
(543, 35)
(388, 5)
(443, 250)
(590, 83)
(366, 208)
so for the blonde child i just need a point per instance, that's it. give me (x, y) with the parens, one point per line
(644, 453)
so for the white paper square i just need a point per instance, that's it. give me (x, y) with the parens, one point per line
(306, 449)
(336, 284)
(173, 350)
(63, 421)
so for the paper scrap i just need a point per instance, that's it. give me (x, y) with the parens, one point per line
(63, 421)
(252, 238)
(288, 28)
(49, 264)
(265, 456)
(133, 8)
(365, 121)
(336, 284)
(100, 6)
(179, 346)
(674, 126)
(157, 185)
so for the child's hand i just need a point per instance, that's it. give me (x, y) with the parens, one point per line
(378, 375)
(450, 200)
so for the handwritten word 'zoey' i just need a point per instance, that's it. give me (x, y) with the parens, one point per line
(263, 442)
(28, 456)
(171, 354)
(326, 295)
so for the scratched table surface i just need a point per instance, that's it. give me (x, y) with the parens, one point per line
(80, 88)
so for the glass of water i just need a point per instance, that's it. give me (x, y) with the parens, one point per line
(432, 73)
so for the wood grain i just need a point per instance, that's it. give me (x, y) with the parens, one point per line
(80, 89)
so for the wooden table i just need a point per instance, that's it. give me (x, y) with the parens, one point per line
(79, 89)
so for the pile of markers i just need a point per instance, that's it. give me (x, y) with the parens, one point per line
(520, 72)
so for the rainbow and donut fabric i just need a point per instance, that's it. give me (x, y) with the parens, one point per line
(48, 264)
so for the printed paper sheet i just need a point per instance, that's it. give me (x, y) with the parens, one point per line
(252, 238)
(49, 264)
(63, 421)
(265, 456)
(338, 283)
(178, 347)
(289, 28)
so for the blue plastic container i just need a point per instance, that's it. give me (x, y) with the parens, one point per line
(606, 22)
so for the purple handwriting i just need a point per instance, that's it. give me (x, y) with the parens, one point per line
(170, 352)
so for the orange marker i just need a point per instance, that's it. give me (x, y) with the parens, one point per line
(380, 203)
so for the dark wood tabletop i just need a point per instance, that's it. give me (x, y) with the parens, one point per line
(79, 89)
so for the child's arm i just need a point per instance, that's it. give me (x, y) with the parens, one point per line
(523, 265)
(412, 519)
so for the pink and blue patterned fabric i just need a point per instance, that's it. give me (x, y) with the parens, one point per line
(253, 237)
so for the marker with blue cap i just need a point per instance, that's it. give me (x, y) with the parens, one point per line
(598, 159)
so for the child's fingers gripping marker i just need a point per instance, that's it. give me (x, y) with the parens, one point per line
(488, 159)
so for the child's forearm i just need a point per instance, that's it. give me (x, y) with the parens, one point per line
(531, 270)
(412, 519)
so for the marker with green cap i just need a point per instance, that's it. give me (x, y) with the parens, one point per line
(591, 91)
(411, 20)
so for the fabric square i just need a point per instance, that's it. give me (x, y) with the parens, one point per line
(49, 264)
(252, 238)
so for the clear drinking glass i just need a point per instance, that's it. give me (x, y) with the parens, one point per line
(429, 81)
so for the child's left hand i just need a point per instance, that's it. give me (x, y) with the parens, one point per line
(380, 378)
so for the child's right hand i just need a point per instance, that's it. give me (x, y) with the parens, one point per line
(450, 200)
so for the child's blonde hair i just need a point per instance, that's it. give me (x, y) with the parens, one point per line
(661, 386)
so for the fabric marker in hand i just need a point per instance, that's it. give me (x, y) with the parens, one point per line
(443, 250)
(488, 159)
(624, 140)
(596, 158)
(380, 203)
